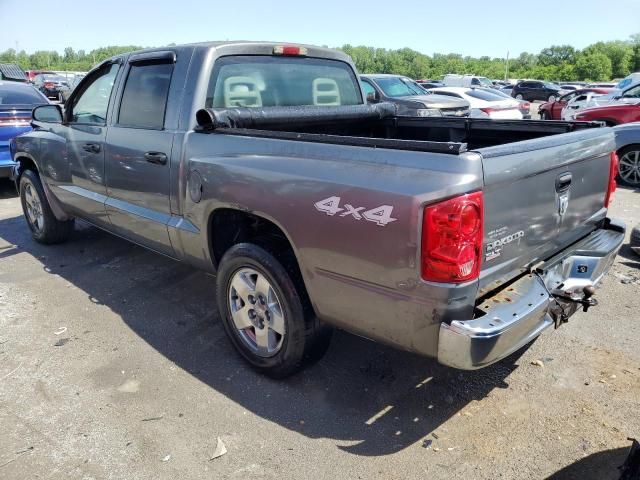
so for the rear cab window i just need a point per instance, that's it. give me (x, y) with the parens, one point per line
(275, 81)
(144, 99)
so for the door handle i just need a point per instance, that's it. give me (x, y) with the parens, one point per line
(563, 182)
(158, 158)
(91, 147)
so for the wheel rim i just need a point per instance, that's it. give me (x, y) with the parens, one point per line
(629, 167)
(552, 98)
(33, 207)
(256, 312)
(519, 97)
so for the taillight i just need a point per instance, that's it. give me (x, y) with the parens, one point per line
(452, 239)
(14, 121)
(613, 173)
(289, 50)
(525, 106)
(49, 84)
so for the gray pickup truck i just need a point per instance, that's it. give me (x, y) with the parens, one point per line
(454, 238)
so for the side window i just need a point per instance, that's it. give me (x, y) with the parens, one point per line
(632, 92)
(525, 85)
(144, 99)
(90, 107)
(368, 88)
(475, 81)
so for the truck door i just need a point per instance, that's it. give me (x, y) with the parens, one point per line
(138, 153)
(75, 163)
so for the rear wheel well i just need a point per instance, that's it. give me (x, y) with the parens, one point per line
(228, 227)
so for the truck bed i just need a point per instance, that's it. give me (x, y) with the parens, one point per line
(378, 126)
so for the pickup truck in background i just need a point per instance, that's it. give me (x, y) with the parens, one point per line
(455, 238)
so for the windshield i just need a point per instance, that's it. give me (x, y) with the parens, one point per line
(10, 95)
(274, 81)
(399, 87)
(484, 95)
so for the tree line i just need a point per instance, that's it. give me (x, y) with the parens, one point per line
(597, 62)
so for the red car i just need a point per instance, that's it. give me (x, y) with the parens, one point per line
(613, 114)
(552, 110)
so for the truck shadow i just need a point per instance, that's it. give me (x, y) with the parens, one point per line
(7, 189)
(597, 466)
(369, 399)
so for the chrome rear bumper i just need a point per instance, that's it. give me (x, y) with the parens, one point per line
(521, 311)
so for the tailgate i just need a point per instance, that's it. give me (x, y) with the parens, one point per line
(540, 196)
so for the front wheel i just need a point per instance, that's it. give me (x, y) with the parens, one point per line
(519, 97)
(266, 312)
(552, 98)
(44, 226)
(629, 166)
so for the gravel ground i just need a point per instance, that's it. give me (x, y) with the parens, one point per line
(114, 365)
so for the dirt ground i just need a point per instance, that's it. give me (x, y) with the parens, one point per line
(114, 365)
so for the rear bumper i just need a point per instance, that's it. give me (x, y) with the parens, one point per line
(516, 315)
(6, 167)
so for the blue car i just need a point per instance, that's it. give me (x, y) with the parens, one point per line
(16, 102)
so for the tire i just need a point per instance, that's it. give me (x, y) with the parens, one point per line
(551, 98)
(635, 236)
(519, 97)
(629, 166)
(45, 227)
(266, 312)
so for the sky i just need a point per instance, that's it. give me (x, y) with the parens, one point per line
(469, 27)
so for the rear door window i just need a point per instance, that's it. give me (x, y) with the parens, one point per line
(144, 99)
(276, 81)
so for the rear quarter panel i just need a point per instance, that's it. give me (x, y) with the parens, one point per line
(360, 276)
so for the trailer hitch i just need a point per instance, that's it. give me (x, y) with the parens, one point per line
(566, 303)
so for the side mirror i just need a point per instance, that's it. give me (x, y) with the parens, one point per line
(372, 97)
(47, 113)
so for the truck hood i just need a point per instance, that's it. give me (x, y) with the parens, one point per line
(439, 101)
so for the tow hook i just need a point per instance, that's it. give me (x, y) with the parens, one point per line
(567, 301)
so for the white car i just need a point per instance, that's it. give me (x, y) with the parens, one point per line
(579, 102)
(484, 103)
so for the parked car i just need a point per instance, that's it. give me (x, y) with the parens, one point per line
(532, 90)
(553, 110)
(447, 237)
(453, 80)
(32, 74)
(578, 102)
(410, 97)
(50, 84)
(507, 89)
(484, 103)
(12, 72)
(570, 88)
(427, 84)
(17, 99)
(628, 148)
(523, 105)
(602, 85)
(64, 93)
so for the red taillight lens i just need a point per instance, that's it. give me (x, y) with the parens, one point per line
(613, 173)
(525, 106)
(452, 239)
(49, 84)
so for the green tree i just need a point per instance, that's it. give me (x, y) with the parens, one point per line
(557, 55)
(593, 66)
(620, 53)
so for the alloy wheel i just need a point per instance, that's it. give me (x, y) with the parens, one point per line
(34, 208)
(629, 167)
(256, 312)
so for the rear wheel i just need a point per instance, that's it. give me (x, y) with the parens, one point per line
(519, 97)
(544, 115)
(629, 165)
(266, 312)
(552, 98)
(45, 227)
